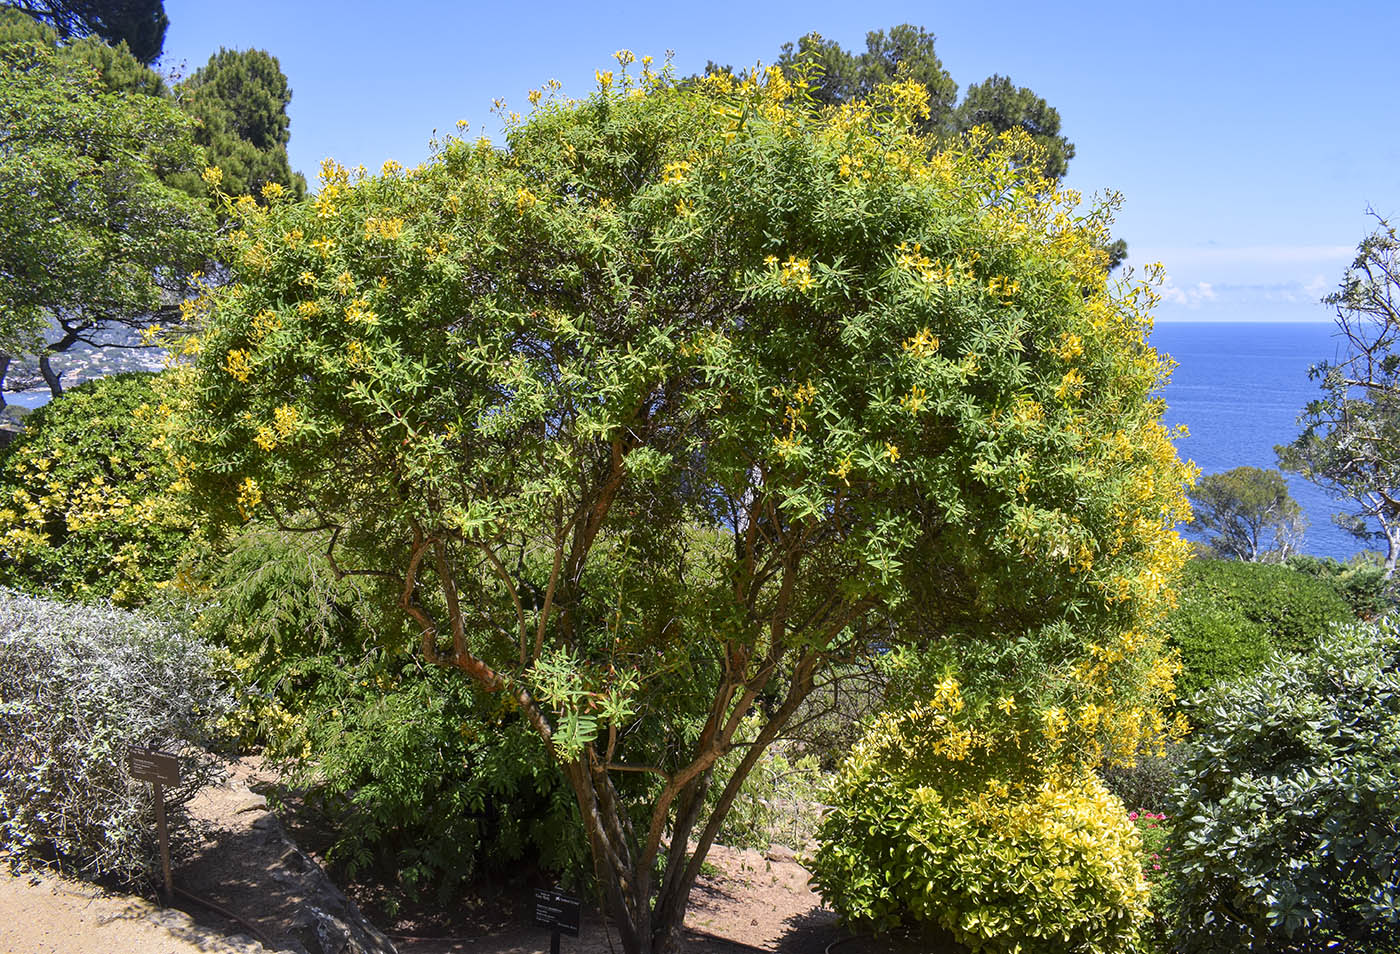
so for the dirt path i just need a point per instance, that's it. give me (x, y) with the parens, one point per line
(247, 865)
(47, 914)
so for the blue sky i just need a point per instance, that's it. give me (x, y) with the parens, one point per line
(1247, 139)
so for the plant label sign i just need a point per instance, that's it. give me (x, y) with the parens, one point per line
(557, 911)
(151, 765)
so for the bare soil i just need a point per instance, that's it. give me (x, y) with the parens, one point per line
(748, 902)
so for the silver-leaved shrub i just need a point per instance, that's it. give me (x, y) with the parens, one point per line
(78, 684)
(1288, 836)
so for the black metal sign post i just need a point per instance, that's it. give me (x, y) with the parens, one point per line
(160, 769)
(557, 911)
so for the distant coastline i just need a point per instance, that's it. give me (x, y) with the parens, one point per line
(1239, 387)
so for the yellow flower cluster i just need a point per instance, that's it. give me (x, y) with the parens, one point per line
(238, 365)
(853, 166)
(924, 344)
(914, 400)
(359, 312)
(285, 420)
(386, 229)
(794, 273)
(249, 497)
(1071, 386)
(265, 323)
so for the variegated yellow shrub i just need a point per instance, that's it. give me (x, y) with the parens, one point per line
(1050, 864)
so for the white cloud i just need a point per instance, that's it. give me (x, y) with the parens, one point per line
(1191, 297)
(1318, 287)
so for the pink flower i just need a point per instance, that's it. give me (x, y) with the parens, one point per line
(1156, 867)
(1132, 816)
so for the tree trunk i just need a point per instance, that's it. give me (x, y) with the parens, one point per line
(50, 378)
(4, 370)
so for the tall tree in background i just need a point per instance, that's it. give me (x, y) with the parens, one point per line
(906, 51)
(140, 24)
(1248, 514)
(239, 99)
(996, 104)
(1350, 444)
(999, 104)
(91, 233)
(239, 104)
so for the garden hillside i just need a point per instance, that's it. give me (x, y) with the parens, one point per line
(716, 462)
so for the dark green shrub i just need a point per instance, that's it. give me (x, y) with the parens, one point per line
(78, 684)
(424, 780)
(1360, 581)
(86, 504)
(1147, 783)
(427, 783)
(1286, 832)
(1234, 615)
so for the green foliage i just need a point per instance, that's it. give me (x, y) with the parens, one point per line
(1049, 865)
(1250, 513)
(1000, 105)
(1287, 833)
(117, 70)
(425, 784)
(1233, 616)
(1155, 831)
(905, 52)
(89, 231)
(780, 801)
(1146, 783)
(78, 684)
(1350, 444)
(139, 24)
(87, 509)
(687, 396)
(239, 100)
(1361, 581)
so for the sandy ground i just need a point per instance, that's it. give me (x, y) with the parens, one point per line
(47, 914)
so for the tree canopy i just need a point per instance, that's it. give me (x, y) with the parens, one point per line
(1247, 513)
(1350, 444)
(240, 99)
(906, 51)
(1000, 105)
(686, 395)
(90, 232)
(140, 24)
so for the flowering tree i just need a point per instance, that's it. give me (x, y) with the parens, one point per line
(688, 393)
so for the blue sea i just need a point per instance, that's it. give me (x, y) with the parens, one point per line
(1239, 388)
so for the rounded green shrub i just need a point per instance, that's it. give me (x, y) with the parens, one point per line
(1050, 865)
(87, 510)
(1233, 616)
(78, 684)
(1286, 831)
